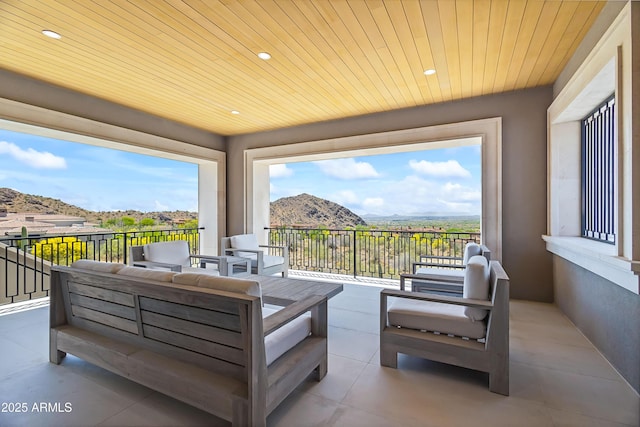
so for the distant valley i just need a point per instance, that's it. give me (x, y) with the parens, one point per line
(302, 211)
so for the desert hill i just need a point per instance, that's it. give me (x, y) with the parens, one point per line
(309, 211)
(301, 210)
(17, 202)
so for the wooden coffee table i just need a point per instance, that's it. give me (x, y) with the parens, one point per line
(284, 291)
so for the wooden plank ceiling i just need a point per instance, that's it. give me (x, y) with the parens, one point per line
(194, 61)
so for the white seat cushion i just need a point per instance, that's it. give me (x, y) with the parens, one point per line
(173, 252)
(476, 285)
(285, 338)
(434, 317)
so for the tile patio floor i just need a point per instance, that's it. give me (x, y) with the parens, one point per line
(557, 379)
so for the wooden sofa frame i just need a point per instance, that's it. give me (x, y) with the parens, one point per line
(201, 346)
(492, 356)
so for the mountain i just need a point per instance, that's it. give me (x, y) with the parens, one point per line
(310, 211)
(304, 209)
(17, 202)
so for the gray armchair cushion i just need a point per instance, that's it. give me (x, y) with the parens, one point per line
(476, 285)
(434, 317)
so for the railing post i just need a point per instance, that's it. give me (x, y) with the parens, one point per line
(355, 247)
(125, 249)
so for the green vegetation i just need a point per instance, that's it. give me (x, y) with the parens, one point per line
(60, 250)
(126, 232)
(369, 251)
(449, 224)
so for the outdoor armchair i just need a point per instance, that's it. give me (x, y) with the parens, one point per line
(262, 263)
(469, 330)
(172, 255)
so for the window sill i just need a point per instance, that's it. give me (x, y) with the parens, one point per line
(599, 258)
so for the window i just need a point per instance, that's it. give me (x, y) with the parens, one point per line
(598, 173)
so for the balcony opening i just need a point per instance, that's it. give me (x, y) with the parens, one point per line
(373, 216)
(483, 135)
(99, 175)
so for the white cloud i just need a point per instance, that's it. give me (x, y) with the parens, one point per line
(33, 158)
(345, 197)
(373, 203)
(347, 169)
(414, 195)
(450, 168)
(458, 193)
(160, 206)
(280, 171)
(451, 187)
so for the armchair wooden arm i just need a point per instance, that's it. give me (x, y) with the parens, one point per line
(152, 264)
(284, 248)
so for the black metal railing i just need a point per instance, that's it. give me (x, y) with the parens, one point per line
(368, 253)
(355, 252)
(25, 261)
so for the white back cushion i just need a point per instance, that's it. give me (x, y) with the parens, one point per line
(247, 287)
(244, 241)
(471, 249)
(99, 266)
(145, 273)
(476, 285)
(174, 252)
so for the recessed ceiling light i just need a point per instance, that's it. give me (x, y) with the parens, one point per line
(429, 72)
(51, 34)
(264, 55)
(235, 112)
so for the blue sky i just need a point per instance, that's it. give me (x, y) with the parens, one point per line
(442, 181)
(95, 178)
(434, 182)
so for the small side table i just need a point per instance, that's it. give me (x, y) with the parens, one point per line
(232, 266)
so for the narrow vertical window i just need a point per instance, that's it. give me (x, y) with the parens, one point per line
(598, 173)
